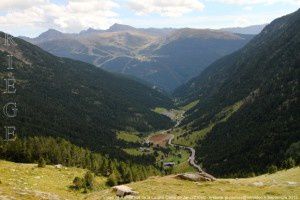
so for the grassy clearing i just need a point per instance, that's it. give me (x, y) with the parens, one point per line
(175, 114)
(133, 151)
(192, 138)
(281, 184)
(228, 111)
(129, 136)
(27, 181)
(160, 110)
(189, 106)
(183, 167)
(177, 155)
(172, 114)
(180, 158)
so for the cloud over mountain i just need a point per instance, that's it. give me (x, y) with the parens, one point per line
(74, 15)
(167, 8)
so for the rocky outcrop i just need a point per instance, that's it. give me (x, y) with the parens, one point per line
(197, 176)
(59, 166)
(123, 190)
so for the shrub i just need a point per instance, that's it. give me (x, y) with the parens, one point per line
(112, 181)
(289, 163)
(78, 183)
(294, 152)
(252, 174)
(41, 162)
(89, 180)
(272, 169)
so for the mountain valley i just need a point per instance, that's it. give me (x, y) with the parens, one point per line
(152, 113)
(165, 58)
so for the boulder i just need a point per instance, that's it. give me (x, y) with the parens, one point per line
(197, 176)
(291, 183)
(59, 166)
(123, 190)
(258, 184)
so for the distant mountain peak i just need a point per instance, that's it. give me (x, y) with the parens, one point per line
(120, 27)
(52, 31)
(90, 30)
(51, 34)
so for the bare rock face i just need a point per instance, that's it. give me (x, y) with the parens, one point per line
(123, 190)
(197, 176)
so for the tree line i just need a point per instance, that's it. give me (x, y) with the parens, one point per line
(61, 151)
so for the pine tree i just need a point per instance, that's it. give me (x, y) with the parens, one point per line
(41, 162)
(112, 181)
(89, 180)
(78, 183)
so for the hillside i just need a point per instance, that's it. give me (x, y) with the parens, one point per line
(165, 58)
(248, 104)
(27, 181)
(77, 101)
(283, 184)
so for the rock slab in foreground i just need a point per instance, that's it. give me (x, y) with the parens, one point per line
(197, 176)
(123, 190)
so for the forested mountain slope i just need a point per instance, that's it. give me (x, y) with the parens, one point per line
(74, 100)
(165, 58)
(261, 83)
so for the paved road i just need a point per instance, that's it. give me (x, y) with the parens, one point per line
(192, 150)
(192, 156)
